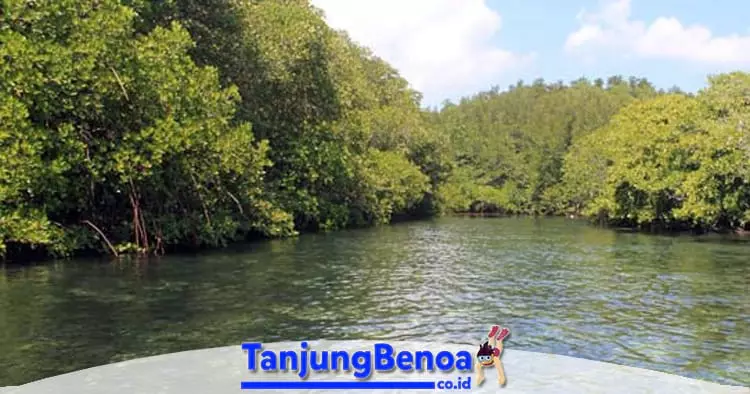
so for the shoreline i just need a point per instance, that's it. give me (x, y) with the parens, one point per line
(88, 254)
(612, 224)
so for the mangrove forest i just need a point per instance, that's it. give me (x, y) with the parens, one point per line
(136, 126)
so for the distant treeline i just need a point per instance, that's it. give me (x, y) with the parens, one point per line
(143, 126)
(620, 152)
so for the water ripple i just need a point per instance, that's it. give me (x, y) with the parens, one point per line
(673, 304)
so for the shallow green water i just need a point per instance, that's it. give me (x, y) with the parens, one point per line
(672, 304)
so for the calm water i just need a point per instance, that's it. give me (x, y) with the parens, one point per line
(673, 304)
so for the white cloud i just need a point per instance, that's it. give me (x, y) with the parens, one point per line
(666, 37)
(444, 48)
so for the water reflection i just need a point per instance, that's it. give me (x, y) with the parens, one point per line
(674, 304)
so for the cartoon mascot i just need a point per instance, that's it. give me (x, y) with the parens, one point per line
(489, 354)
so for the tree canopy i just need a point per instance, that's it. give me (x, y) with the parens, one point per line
(619, 151)
(140, 126)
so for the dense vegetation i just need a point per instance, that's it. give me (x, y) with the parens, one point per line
(140, 126)
(618, 151)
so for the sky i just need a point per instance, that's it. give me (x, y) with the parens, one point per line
(449, 49)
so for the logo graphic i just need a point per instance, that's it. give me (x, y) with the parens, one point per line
(382, 357)
(290, 368)
(489, 354)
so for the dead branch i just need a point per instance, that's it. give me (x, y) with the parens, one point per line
(119, 81)
(104, 237)
(236, 201)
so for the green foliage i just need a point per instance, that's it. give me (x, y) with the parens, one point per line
(510, 146)
(107, 130)
(671, 161)
(618, 150)
(394, 183)
(125, 126)
(133, 126)
(648, 161)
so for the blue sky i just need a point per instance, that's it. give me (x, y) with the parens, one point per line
(452, 48)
